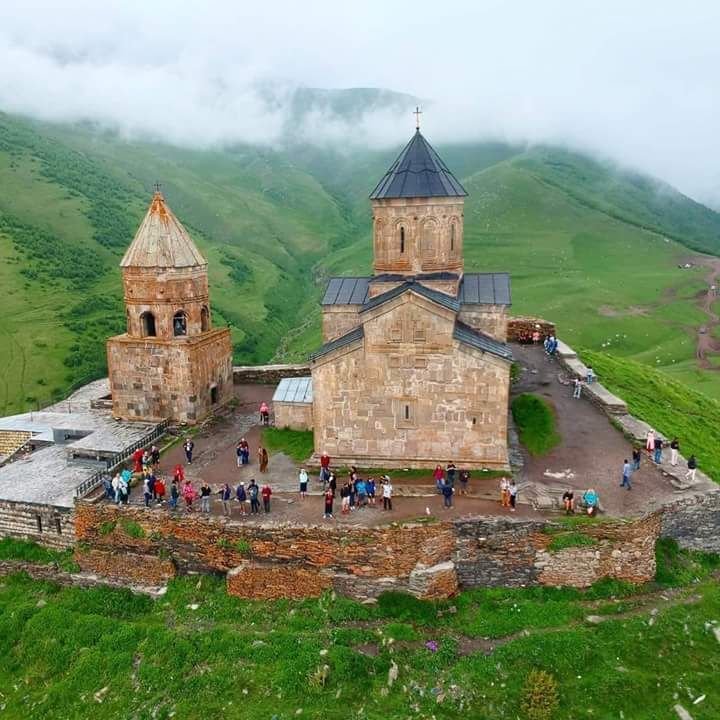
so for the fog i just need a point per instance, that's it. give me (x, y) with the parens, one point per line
(632, 82)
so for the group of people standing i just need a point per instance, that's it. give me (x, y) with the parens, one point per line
(445, 482)
(242, 454)
(654, 446)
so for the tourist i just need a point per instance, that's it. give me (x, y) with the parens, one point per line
(387, 493)
(189, 494)
(244, 448)
(512, 494)
(159, 491)
(658, 449)
(650, 442)
(266, 492)
(345, 498)
(692, 469)
(155, 456)
(108, 487)
(253, 491)
(189, 447)
(151, 483)
(536, 335)
(324, 468)
(590, 376)
(329, 497)
(351, 484)
(591, 502)
(116, 488)
(332, 483)
(627, 471)
(303, 480)
(179, 474)
(464, 480)
(205, 497)
(370, 485)
(450, 471)
(439, 476)
(577, 388)
(225, 494)
(263, 459)
(174, 495)
(137, 457)
(238, 454)
(551, 346)
(241, 497)
(146, 462)
(147, 493)
(361, 492)
(636, 455)
(264, 413)
(124, 488)
(674, 449)
(568, 500)
(447, 492)
(504, 492)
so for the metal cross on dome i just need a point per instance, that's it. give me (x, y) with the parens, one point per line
(417, 114)
(157, 187)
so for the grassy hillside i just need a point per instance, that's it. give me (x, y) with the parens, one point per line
(594, 249)
(198, 653)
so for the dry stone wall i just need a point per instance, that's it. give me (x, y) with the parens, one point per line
(44, 524)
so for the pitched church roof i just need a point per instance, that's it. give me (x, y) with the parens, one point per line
(161, 241)
(433, 295)
(418, 172)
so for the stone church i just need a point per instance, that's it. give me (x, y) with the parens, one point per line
(171, 363)
(415, 368)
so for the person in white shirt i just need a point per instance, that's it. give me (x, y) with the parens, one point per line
(387, 494)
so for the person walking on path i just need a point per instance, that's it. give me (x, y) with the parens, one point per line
(464, 480)
(329, 497)
(155, 456)
(332, 484)
(159, 491)
(650, 442)
(188, 494)
(189, 446)
(303, 480)
(147, 492)
(241, 496)
(447, 492)
(324, 468)
(266, 492)
(244, 451)
(577, 388)
(174, 495)
(238, 454)
(692, 469)
(512, 492)
(450, 472)
(370, 484)
(627, 471)
(205, 497)
(253, 491)
(658, 450)
(345, 498)
(264, 413)
(590, 376)
(636, 455)
(387, 494)
(439, 476)
(225, 494)
(674, 449)
(504, 492)
(263, 459)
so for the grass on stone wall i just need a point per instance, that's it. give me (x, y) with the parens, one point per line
(535, 421)
(570, 540)
(297, 444)
(26, 551)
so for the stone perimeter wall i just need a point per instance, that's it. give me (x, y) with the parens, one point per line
(429, 560)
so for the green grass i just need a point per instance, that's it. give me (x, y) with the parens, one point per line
(145, 658)
(672, 408)
(570, 540)
(26, 551)
(535, 422)
(297, 444)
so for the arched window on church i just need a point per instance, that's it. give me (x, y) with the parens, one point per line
(204, 319)
(452, 237)
(402, 240)
(179, 324)
(147, 323)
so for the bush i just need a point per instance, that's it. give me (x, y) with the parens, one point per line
(536, 423)
(242, 546)
(133, 529)
(540, 696)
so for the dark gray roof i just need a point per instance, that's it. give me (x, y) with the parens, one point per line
(418, 172)
(438, 297)
(393, 277)
(346, 291)
(485, 288)
(465, 334)
(343, 340)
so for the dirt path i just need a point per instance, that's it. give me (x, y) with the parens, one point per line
(706, 342)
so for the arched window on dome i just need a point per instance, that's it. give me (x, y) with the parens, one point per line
(402, 240)
(179, 324)
(452, 237)
(147, 324)
(204, 319)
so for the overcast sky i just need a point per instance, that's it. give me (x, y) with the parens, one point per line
(633, 80)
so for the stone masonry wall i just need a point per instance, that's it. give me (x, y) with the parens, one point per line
(296, 416)
(694, 522)
(519, 329)
(267, 374)
(44, 524)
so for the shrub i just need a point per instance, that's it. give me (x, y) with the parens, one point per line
(242, 546)
(223, 542)
(540, 696)
(107, 527)
(133, 529)
(536, 423)
(570, 540)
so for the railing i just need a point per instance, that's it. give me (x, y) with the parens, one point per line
(118, 458)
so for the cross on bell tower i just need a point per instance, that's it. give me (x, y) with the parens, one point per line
(417, 114)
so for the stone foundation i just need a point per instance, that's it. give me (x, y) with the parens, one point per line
(254, 581)
(46, 525)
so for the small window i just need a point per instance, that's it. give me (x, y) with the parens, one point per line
(407, 412)
(420, 361)
(38, 521)
(452, 237)
(396, 334)
(58, 526)
(204, 319)
(402, 240)
(147, 321)
(474, 421)
(179, 324)
(419, 335)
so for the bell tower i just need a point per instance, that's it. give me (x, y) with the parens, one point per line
(418, 221)
(170, 363)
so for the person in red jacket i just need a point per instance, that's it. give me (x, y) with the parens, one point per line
(137, 457)
(266, 492)
(160, 491)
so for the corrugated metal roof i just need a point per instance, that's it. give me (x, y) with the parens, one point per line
(161, 241)
(356, 334)
(346, 291)
(418, 172)
(467, 335)
(438, 297)
(485, 288)
(294, 390)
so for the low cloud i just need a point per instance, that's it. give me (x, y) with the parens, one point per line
(634, 84)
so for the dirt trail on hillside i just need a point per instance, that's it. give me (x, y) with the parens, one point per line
(706, 343)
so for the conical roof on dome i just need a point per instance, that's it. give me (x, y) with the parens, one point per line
(418, 172)
(161, 241)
